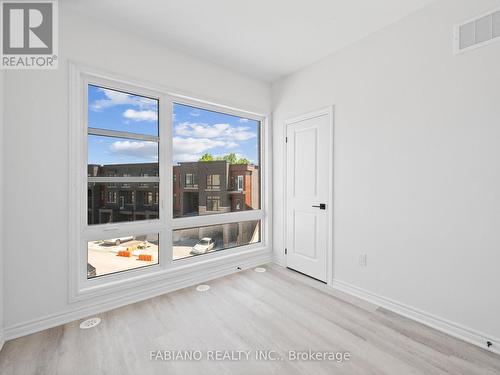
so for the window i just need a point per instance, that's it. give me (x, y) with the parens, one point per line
(213, 181)
(111, 196)
(213, 203)
(122, 144)
(238, 205)
(125, 232)
(122, 154)
(208, 239)
(214, 149)
(129, 197)
(189, 181)
(148, 198)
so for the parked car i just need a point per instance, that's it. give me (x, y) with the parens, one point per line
(203, 246)
(118, 241)
(90, 271)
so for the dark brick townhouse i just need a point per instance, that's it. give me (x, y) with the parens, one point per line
(122, 201)
(198, 188)
(214, 186)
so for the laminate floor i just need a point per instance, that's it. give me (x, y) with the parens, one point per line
(277, 314)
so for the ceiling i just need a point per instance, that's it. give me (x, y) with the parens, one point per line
(265, 39)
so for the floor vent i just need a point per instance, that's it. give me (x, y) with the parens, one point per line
(90, 323)
(478, 32)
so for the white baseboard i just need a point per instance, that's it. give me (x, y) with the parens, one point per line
(453, 329)
(154, 290)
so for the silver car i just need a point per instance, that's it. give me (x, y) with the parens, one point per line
(203, 246)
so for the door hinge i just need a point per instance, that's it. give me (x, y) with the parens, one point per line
(286, 251)
(286, 139)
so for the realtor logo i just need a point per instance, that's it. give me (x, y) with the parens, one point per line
(29, 35)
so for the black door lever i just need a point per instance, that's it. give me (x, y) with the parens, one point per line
(322, 206)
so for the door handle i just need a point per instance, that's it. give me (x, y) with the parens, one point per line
(322, 206)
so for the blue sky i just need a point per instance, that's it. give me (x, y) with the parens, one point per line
(196, 131)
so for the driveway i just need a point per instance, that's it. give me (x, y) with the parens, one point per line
(105, 258)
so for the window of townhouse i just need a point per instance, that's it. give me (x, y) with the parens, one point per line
(133, 224)
(213, 203)
(239, 183)
(213, 181)
(190, 181)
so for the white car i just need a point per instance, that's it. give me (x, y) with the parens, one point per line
(118, 241)
(203, 246)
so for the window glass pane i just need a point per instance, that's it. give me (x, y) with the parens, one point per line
(215, 155)
(202, 240)
(213, 181)
(120, 111)
(121, 254)
(113, 202)
(119, 157)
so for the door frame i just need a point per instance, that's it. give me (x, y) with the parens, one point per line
(329, 111)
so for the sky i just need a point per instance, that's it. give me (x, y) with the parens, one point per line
(196, 131)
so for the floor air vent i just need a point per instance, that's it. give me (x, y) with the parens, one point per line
(202, 288)
(90, 323)
(478, 32)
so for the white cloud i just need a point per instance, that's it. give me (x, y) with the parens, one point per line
(146, 115)
(140, 149)
(195, 145)
(114, 98)
(191, 149)
(243, 120)
(179, 158)
(195, 114)
(218, 131)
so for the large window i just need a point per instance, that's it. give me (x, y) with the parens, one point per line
(157, 180)
(215, 151)
(123, 160)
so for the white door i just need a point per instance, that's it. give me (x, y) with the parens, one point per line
(308, 192)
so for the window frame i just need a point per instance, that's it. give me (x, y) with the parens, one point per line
(145, 196)
(114, 194)
(265, 187)
(211, 186)
(238, 179)
(213, 198)
(81, 288)
(194, 184)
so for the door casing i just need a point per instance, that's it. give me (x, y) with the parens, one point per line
(330, 112)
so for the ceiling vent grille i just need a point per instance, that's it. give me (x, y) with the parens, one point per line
(478, 32)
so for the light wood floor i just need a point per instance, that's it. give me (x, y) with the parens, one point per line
(277, 310)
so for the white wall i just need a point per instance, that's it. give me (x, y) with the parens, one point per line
(1, 208)
(36, 154)
(417, 183)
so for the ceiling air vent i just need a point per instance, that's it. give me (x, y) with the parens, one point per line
(478, 32)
